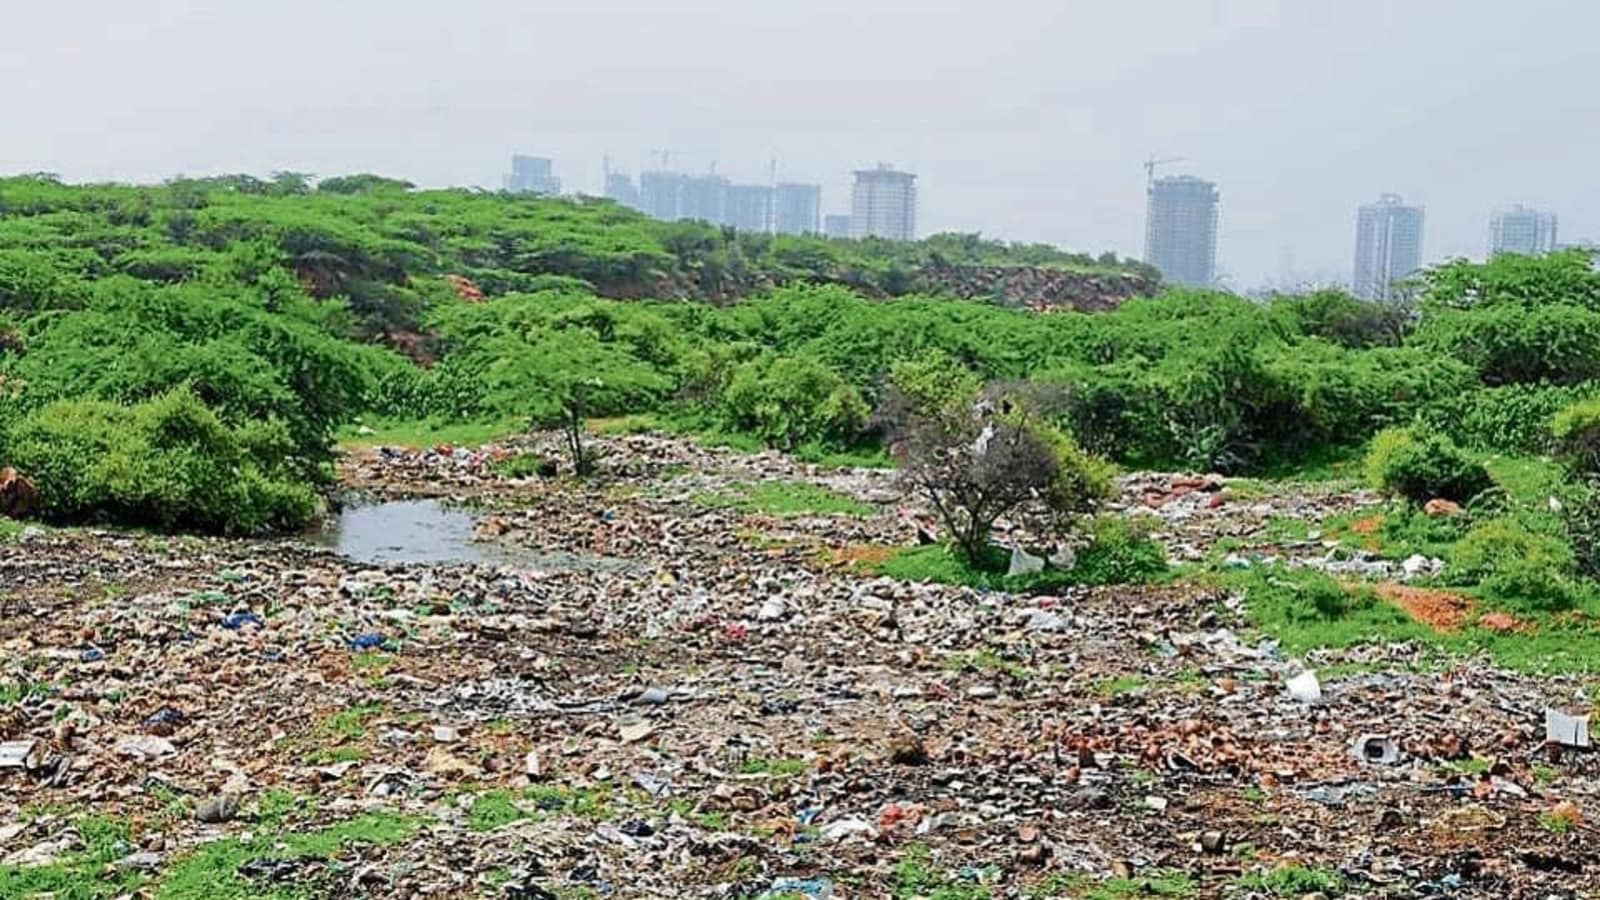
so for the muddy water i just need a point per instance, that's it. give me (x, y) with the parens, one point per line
(430, 532)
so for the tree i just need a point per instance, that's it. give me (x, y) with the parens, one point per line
(565, 376)
(976, 456)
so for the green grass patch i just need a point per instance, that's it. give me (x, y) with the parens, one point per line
(1159, 883)
(1122, 684)
(212, 872)
(523, 465)
(419, 435)
(83, 875)
(787, 498)
(786, 767)
(330, 755)
(1295, 881)
(1526, 480)
(917, 878)
(1118, 553)
(351, 724)
(989, 661)
(494, 809)
(871, 457)
(13, 693)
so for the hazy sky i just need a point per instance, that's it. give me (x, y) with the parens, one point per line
(1024, 119)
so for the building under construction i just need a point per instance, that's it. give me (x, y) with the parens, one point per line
(1180, 231)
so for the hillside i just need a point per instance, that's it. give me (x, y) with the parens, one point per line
(385, 248)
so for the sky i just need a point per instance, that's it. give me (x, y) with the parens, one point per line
(1023, 119)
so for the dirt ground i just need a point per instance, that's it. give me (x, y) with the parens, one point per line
(652, 693)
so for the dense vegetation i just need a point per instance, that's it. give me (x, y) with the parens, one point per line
(231, 325)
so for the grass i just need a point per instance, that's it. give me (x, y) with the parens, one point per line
(84, 875)
(779, 768)
(10, 529)
(987, 660)
(211, 872)
(857, 458)
(351, 724)
(1555, 824)
(13, 693)
(786, 499)
(1122, 684)
(494, 809)
(523, 465)
(419, 435)
(916, 878)
(1118, 554)
(331, 755)
(1294, 881)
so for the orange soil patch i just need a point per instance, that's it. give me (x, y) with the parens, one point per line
(863, 555)
(1369, 525)
(1505, 623)
(1440, 610)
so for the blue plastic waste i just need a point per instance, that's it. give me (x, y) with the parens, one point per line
(238, 620)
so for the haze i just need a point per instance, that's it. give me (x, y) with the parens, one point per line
(1025, 119)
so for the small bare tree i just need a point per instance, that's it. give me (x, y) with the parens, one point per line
(976, 457)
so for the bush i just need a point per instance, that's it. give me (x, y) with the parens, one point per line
(1516, 565)
(975, 458)
(787, 402)
(168, 463)
(1424, 468)
(1513, 418)
(1120, 551)
(1576, 432)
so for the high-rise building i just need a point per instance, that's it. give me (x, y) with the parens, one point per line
(884, 204)
(748, 207)
(837, 226)
(1388, 246)
(620, 187)
(1180, 230)
(704, 197)
(532, 175)
(797, 209)
(1522, 230)
(661, 195)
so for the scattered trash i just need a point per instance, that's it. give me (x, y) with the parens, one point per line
(217, 810)
(15, 754)
(1305, 687)
(1566, 730)
(731, 712)
(238, 620)
(1376, 748)
(810, 888)
(368, 641)
(148, 748)
(1024, 563)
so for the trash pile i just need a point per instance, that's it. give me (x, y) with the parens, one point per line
(734, 714)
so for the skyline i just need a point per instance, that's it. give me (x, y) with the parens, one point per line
(1028, 134)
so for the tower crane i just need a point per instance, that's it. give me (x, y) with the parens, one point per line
(1150, 168)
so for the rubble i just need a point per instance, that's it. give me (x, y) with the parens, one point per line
(735, 713)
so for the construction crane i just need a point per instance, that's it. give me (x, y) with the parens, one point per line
(1150, 168)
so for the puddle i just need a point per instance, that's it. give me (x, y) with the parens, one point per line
(428, 531)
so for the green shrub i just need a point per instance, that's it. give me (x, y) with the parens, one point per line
(1516, 565)
(1513, 418)
(1424, 468)
(787, 402)
(1576, 431)
(1120, 551)
(168, 462)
